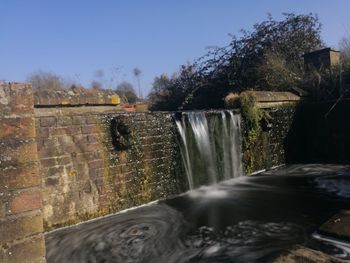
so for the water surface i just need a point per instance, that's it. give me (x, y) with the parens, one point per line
(246, 219)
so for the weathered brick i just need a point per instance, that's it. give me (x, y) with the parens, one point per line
(16, 152)
(52, 181)
(29, 251)
(2, 209)
(42, 132)
(17, 128)
(20, 227)
(93, 138)
(39, 143)
(54, 171)
(97, 164)
(92, 119)
(86, 147)
(22, 102)
(77, 120)
(64, 160)
(49, 148)
(5, 99)
(90, 129)
(96, 174)
(84, 157)
(73, 130)
(48, 162)
(65, 141)
(64, 121)
(48, 121)
(19, 177)
(80, 138)
(25, 201)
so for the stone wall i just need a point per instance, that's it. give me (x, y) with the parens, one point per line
(267, 118)
(268, 148)
(21, 222)
(86, 175)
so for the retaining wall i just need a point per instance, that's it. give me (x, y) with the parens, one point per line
(60, 166)
(85, 173)
(21, 221)
(267, 149)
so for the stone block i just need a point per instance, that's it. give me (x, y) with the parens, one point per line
(20, 177)
(64, 160)
(29, 251)
(20, 227)
(11, 128)
(48, 162)
(93, 119)
(22, 102)
(78, 120)
(64, 141)
(64, 121)
(73, 130)
(96, 174)
(48, 121)
(23, 201)
(97, 164)
(52, 181)
(84, 157)
(42, 132)
(16, 152)
(93, 138)
(5, 99)
(80, 139)
(90, 129)
(54, 171)
(2, 209)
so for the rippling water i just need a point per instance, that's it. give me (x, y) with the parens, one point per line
(242, 220)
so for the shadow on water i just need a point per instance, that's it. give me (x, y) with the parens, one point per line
(246, 219)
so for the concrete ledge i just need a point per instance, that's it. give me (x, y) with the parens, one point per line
(338, 226)
(272, 96)
(263, 99)
(269, 99)
(300, 254)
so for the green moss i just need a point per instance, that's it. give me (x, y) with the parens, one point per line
(251, 115)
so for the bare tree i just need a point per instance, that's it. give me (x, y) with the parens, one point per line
(127, 92)
(137, 73)
(46, 81)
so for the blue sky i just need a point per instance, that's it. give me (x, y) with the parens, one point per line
(75, 38)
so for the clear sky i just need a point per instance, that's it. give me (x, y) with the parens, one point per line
(75, 38)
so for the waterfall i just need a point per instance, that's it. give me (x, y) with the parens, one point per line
(210, 146)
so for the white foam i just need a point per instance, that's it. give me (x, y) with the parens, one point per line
(212, 192)
(212, 250)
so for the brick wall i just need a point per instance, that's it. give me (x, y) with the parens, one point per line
(21, 222)
(84, 175)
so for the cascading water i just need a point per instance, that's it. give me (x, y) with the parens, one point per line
(210, 146)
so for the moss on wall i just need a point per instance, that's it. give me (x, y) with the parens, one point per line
(264, 134)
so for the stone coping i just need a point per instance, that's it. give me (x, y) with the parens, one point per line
(272, 96)
(76, 97)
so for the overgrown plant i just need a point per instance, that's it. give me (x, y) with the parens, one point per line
(269, 57)
(253, 136)
(251, 115)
